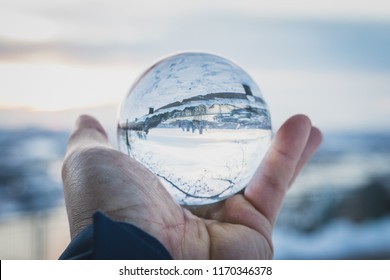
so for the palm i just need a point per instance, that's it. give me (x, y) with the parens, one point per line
(98, 177)
(236, 230)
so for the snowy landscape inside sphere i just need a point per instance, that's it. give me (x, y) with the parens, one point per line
(199, 122)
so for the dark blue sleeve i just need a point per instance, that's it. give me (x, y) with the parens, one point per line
(106, 239)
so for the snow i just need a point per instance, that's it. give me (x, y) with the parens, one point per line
(339, 239)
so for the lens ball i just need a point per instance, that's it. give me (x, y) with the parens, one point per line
(198, 122)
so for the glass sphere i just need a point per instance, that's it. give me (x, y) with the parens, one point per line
(198, 122)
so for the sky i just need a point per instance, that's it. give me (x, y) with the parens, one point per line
(327, 59)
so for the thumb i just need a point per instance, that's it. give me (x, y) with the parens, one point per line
(87, 132)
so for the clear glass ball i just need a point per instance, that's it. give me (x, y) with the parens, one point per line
(199, 122)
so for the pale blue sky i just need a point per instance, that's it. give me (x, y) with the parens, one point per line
(327, 59)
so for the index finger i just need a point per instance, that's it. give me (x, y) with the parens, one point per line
(271, 180)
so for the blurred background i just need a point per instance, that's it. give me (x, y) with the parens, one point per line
(327, 59)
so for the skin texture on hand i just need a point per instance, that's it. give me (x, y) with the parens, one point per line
(98, 177)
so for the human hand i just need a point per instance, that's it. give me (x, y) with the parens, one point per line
(98, 177)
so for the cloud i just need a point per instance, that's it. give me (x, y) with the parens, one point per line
(335, 100)
(321, 50)
(267, 43)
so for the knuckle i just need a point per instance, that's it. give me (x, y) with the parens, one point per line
(82, 160)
